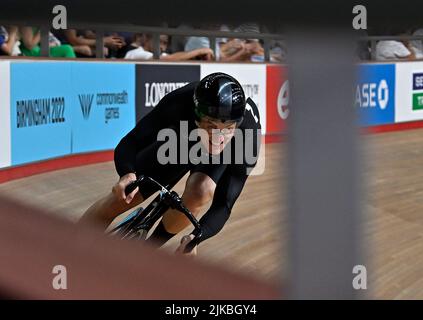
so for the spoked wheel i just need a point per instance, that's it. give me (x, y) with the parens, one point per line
(140, 234)
(124, 227)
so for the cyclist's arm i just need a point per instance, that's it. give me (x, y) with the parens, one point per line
(144, 133)
(227, 192)
(229, 186)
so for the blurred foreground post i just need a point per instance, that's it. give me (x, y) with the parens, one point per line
(323, 166)
(32, 243)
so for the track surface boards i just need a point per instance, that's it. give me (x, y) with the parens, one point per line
(254, 239)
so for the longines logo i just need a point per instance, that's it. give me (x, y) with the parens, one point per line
(86, 100)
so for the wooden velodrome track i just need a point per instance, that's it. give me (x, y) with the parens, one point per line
(254, 239)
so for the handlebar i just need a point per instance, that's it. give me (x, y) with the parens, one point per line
(131, 187)
(134, 184)
(175, 202)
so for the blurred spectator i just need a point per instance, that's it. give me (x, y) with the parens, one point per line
(84, 42)
(75, 39)
(363, 46)
(144, 47)
(393, 49)
(242, 50)
(278, 51)
(9, 41)
(125, 36)
(417, 45)
(138, 39)
(113, 42)
(53, 41)
(232, 49)
(177, 43)
(127, 39)
(363, 50)
(30, 39)
(195, 43)
(253, 49)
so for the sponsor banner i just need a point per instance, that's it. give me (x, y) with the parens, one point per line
(5, 155)
(103, 105)
(252, 78)
(40, 110)
(409, 91)
(277, 99)
(154, 81)
(375, 94)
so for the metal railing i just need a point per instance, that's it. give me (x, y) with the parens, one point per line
(157, 31)
(102, 29)
(374, 39)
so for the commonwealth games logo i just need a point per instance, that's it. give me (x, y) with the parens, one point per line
(86, 100)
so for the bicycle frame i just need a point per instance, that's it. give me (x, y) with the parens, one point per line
(146, 218)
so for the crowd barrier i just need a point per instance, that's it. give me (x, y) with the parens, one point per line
(52, 109)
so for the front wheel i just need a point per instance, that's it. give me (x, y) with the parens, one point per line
(125, 225)
(137, 235)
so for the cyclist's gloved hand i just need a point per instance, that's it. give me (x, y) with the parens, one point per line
(184, 241)
(119, 188)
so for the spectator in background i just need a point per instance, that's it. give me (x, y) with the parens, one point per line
(30, 39)
(278, 51)
(9, 41)
(231, 49)
(417, 45)
(144, 47)
(127, 39)
(241, 50)
(84, 42)
(363, 46)
(195, 43)
(177, 42)
(75, 39)
(137, 43)
(112, 41)
(394, 49)
(363, 50)
(253, 49)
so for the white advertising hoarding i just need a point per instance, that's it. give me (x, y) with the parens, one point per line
(5, 158)
(409, 91)
(252, 78)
